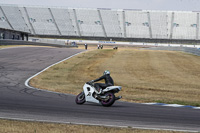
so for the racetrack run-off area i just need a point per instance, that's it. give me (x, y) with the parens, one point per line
(20, 102)
(145, 75)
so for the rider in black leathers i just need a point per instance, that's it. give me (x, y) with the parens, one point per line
(108, 82)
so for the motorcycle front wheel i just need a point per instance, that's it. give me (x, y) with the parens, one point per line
(108, 102)
(80, 98)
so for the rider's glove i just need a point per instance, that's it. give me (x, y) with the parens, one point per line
(90, 82)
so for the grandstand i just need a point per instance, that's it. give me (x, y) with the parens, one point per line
(101, 23)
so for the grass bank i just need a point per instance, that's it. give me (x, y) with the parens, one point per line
(7, 46)
(145, 75)
(10, 126)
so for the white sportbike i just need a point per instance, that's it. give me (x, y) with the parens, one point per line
(106, 98)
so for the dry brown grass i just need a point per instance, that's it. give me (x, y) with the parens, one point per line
(8, 126)
(159, 76)
(7, 46)
(145, 76)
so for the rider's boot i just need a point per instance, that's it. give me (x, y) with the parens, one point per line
(98, 92)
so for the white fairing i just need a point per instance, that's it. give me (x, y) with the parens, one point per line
(88, 94)
(112, 88)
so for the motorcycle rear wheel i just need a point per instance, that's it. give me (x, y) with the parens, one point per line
(80, 98)
(110, 101)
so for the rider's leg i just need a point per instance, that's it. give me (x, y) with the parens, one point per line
(99, 87)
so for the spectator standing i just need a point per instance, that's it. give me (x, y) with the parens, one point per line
(86, 46)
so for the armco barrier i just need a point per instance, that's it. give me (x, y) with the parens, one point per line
(20, 42)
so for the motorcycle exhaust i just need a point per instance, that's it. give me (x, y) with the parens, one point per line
(117, 98)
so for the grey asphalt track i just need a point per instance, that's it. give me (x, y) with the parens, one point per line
(20, 102)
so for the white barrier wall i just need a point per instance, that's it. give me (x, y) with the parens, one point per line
(115, 43)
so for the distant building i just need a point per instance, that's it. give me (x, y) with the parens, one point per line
(13, 34)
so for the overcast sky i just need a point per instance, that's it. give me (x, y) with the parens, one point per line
(174, 5)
